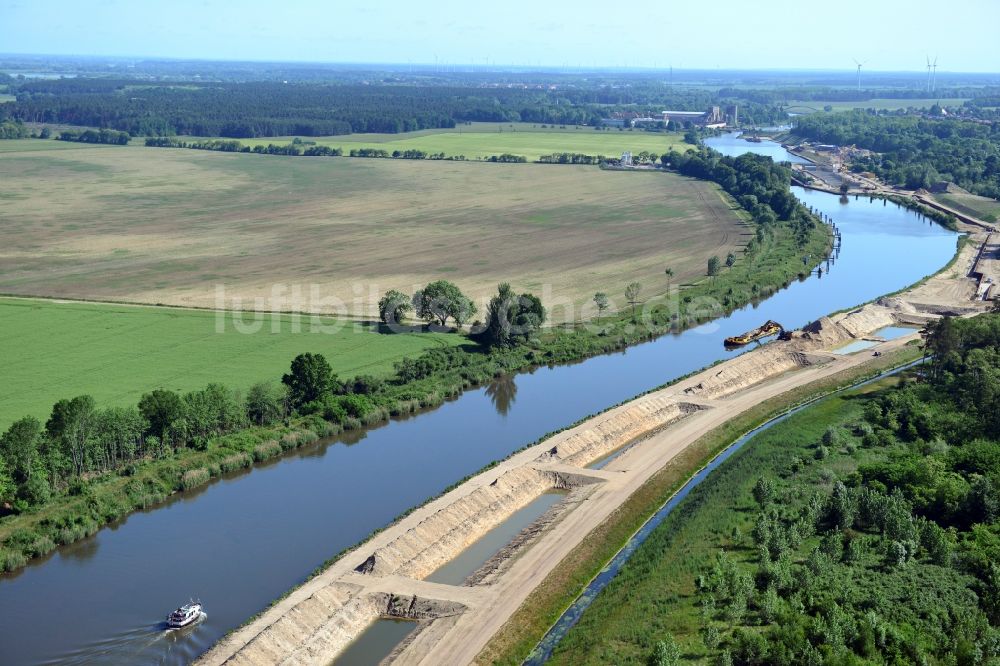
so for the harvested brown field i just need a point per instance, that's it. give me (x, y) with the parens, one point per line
(167, 226)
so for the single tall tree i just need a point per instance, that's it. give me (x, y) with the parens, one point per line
(161, 409)
(441, 300)
(266, 403)
(510, 317)
(310, 378)
(601, 301)
(393, 307)
(632, 290)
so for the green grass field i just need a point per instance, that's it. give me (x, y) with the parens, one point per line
(117, 352)
(6, 98)
(485, 139)
(880, 104)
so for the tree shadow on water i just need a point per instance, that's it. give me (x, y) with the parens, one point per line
(502, 392)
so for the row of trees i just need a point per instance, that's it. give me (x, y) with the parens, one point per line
(295, 148)
(571, 158)
(510, 318)
(95, 136)
(14, 130)
(80, 439)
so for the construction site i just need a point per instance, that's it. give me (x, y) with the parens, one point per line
(582, 475)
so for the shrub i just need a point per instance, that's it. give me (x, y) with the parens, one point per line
(41, 546)
(289, 441)
(194, 478)
(11, 560)
(234, 462)
(268, 449)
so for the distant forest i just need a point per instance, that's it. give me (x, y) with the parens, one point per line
(268, 108)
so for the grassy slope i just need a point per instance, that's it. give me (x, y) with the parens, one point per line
(654, 593)
(971, 204)
(118, 352)
(43, 145)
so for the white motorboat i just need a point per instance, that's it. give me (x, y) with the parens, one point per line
(185, 615)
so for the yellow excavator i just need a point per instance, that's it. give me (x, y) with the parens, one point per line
(770, 327)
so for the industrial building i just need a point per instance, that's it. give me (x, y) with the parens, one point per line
(712, 118)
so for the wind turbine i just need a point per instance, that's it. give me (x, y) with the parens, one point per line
(859, 72)
(934, 78)
(928, 73)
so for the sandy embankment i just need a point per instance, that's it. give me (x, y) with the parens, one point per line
(316, 621)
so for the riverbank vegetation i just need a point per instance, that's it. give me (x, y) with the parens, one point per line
(946, 220)
(915, 151)
(862, 530)
(89, 467)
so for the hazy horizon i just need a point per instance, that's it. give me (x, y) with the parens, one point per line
(889, 37)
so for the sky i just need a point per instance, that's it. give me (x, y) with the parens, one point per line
(887, 35)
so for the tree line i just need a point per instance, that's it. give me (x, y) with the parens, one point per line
(13, 130)
(571, 158)
(95, 136)
(760, 185)
(251, 109)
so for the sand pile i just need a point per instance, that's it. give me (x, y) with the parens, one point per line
(443, 535)
(868, 319)
(749, 369)
(323, 624)
(610, 432)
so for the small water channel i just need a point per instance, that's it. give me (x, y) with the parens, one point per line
(376, 642)
(243, 541)
(469, 560)
(887, 333)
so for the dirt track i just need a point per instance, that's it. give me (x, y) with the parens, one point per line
(301, 630)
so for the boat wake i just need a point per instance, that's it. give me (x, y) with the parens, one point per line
(148, 644)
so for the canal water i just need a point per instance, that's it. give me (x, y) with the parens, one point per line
(239, 543)
(476, 555)
(370, 647)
